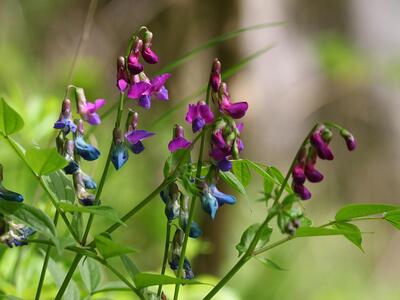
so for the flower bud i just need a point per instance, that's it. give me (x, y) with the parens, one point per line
(215, 78)
(178, 141)
(351, 142)
(149, 55)
(301, 191)
(119, 153)
(298, 174)
(122, 75)
(312, 174)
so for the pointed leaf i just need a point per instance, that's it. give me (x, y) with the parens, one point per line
(352, 211)
(248, 236)
(320, 231)
(270, 264)
(45, 161)
(61, 186)
(130, 266)
(90, 273)
(10, 120)
(242, 171)
(113, 286)
(355, 237)
(233, 182)
(393, 217)
(109, 248)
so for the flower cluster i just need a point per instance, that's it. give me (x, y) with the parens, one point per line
(12, 234)
(175, 253)
(75, 147)
(317, 147)
(132, 78)
(132, 140)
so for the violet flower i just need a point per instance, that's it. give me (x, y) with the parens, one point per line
(236, 110)
(301, 191)
(212, 199)
(122, 74)
(134, 66)
(17, 234)
(323, 150)
(65, 122)
(215, 77)
(134, 137)
(119, 153)
(178, 141)
(199, 115)
(350, 140)
(148, 55)
(88, 110)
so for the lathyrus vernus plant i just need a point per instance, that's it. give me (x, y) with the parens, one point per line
(190, 183)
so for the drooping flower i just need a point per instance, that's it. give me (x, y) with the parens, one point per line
(122, 74)
(322, 147)
(134, 137)
(65, 122)
(236, 110)
(171, 196)
(215, 77)
(212, 199)
(148, 55)
(119, 153)
(178, 141)
(72, 166)
(175, 254)
(144, 89)
(350, 140)
(84, 197)
(88, 110)
(199, 115)
(16, 235)
(195, 230)
(134, 66)
(6, 194)
(88, 181)
(301, 191)
(85, 150)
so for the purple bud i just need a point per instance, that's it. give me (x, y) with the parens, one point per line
(323, 150)
(178, 141)
(66, 108)
(298, 174)
(301, 191)
(325, 153)
(351, 142)
(149, 56)
(215, 78)
(312, 174)
(122, 76)
(134, 66)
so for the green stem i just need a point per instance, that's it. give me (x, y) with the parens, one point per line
(45, 263)
(250, 250)
(165, 258)
(68, 277)
(42, 183)
(192, 207)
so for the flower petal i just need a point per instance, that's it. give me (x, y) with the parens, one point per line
(236, 110)
(206, 113)
(192, 113)
(158, 81)
(149, 56)
(162, 94)
(178, 143)
(221, 197)
(138, 89)
(93, 119)
(145, 101)
(135, 136)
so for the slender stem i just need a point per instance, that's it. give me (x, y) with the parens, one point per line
(192, 207)
(68, 277)
(45, 263)
(253, 244)
(165, 258)
(273, 245)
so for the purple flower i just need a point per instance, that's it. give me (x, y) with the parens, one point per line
(178, 141)
(298, 174)
(301, 191)
(149, 56)
(65, 121)
(134, 66)
(199, 115)
(88, 110)
(236, 110)
(212, 199)
(135, 138)
(350, 140)
(122, 74)
(312, 174)
(144, 90)
(323, 150)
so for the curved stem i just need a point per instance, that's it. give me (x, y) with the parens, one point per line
(45, 263)
(165, 258)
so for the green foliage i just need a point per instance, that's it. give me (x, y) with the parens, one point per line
(355, 236)
(270, 264)
(100, 210)
(10, 120)
(174, 160)
(352, 211)
(58, 274)
(321, 231)
(91, 274)
(130, 266)
(249, 234)
(230, 179)
(143, 280)
(109, 248)
(61, 186)
(393, 217)
(45, 161)
(242, 171)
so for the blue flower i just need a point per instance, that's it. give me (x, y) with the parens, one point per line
(170, 196)
(212, 199)
(88, 182)
(17, 235)
(195, 230)
(85, 150)
(9, 195)
(71, 168)
(119, 155)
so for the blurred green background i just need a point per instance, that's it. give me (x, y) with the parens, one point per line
(335, 60)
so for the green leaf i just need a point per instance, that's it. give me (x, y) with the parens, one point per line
(393, 217)
(10, 120)
(45, 161)
(269, 263)
(143, 280)
(90, 273)
(352, 211)
(242, 171)
(100, 210)
(320, 231)
(109, 248)
(113, 286)
(130, 266)
(233, 182)
(277, 174)
(174, 159)
(248, 236)
(30, 216)
(61, 186)
(77, 223)
(355, 237)
(58, 274)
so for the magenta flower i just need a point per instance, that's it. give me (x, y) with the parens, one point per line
(298, 173)
(215, 78)
(65, 121)
(122, 74)
(199, 115)
(350, 140)
(301, 191)
(149, 56)
(88, 110)
(144, 90)
(134, 66)
(323, 150)
(236, 110)
(135, 138)
(178, 141)
(312, 174)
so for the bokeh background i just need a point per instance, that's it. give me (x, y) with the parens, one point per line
(335, 60)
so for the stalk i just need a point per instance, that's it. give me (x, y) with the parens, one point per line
(165, 258)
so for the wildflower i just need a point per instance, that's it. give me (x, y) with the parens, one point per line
(87, 110)
(122, 74)
(65, 122)
(195, 230)
(350, 140)
(85, 150)
(212, 199)
(144, 89)
(301, 191)
(88, 181)
(6, 194)
(134, 66)
(323, 150)
(17, 235)
(199, 115)
(134, 137)
(171, 196)
(178, 141)
(148, 55)
(72, 166)
(215, 77)
(119, 153)
(174, 256)
(236, 110)
(84, 197)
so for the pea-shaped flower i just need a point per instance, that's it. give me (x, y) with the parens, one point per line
(6, 194)
(119, 153)
(178, 141)
(199, 115)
